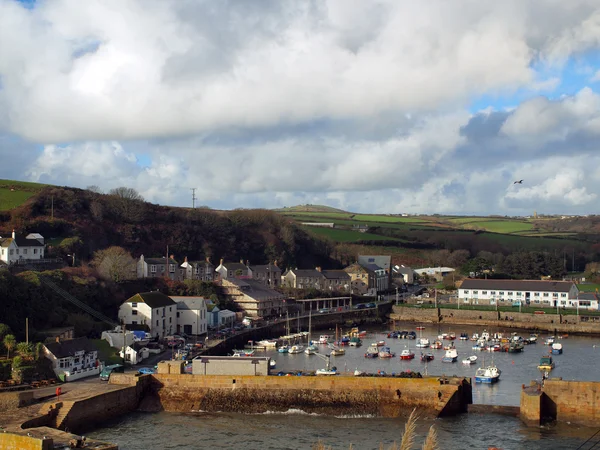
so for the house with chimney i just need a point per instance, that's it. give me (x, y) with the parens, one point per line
(192, 316)
(231, 270)
(267, 274)
(303, 279)
(158, 268)
(73, 359)
(335, 280)
(154, 310)
(369, 277)
(21, 249)
(197, 270)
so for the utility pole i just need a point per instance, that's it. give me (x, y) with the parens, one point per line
(573, 263)
(27, 330)
(52, 209)
(124, 344)
(193, 197)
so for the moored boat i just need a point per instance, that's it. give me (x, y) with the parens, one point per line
(489, 374)
(546, 363)
(294, 349)
(423, 343)
(324, 339)
(284, 349)
(557, 348)
(240, 353)
(426, 356)
(407, 354)
(464, 337)
(549, 340)
(385, 352)
(470, 360)
(311, 349)
(436, 345)
(450, 356)
(336, 351)
(372, 352)
(267, 343)
(355, 341)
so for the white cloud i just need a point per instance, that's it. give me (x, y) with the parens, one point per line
(595, 77)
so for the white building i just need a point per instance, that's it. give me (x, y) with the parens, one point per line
(154, 309)
(231, 270)
(15, 248)
(73, 359)
(191, 315)
(135, 354)
(219, 318)
(546, 294)
(404, 272)
(436, 272)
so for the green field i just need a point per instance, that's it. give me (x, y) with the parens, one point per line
(387, 219)
(501, 226)
(338, 235)
(15, 193)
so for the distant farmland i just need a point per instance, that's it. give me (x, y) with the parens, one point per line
(339, 235)
(15, 193)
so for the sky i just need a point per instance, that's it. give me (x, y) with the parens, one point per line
(369, 106)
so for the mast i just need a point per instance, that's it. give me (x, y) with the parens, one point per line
(309, 325)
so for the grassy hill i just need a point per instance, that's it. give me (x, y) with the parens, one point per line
(14, 193)
(310, 208)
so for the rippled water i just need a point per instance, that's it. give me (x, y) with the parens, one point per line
(296, 430)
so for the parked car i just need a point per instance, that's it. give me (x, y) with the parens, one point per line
(371, 305)
(146, 370)
(324, 310)
(361, 306)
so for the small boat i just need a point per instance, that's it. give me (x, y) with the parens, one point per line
(549, 340)
(426, 356)
(272, 363)
(372, 352)
(324, 339)
(450, 336)
(407, 354)
(489, 374)
(422, 343)
(294, 349)
(355, 342)
(311, 349)
(485, 335)
(336, 351)
(449, 346)
(450, 356)
(411, 335)
(557, 348)
(546, 363)
(385, 352)
(464, 337)
(243, 353)
(345, 340)
(332, 371)
(267, 343)
(393, 334)
(378, 343)
(475, 337)
(494, 348)
(436, 345)
(284, 349)
(358, 373)
(470, 360)
(403, 334)
(515, 347)
(420, 327)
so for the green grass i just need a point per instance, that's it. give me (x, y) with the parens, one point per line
(588, 287)
(106, 353)
(338, 235)
(387, 219)
(320, 215)
(15, 193)
(501, 226)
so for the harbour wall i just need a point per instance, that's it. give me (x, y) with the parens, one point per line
(495, 319)
(378, 396)
(577, 402)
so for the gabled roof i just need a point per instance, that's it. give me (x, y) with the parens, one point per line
(372, 267)
(189, 303)
(162, 260)
(306, 273)
(518, 285)
(335, 275)
(64, 349)
(234, 266)
(256, 290)
(353, 268)
(265, 268)
(5, 242)
(152, 299)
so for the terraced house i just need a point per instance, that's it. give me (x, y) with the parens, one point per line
(158, 268)
(549, 294)
(197, 270)
(17, 248)
(304, 279)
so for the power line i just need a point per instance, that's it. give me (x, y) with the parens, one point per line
(193, 197)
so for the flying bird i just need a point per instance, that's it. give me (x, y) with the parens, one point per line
(518, 182)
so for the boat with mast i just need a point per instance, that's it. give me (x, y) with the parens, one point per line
(311, 349)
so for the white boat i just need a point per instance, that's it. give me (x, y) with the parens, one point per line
(385, 352)
(296, 349)
(475, 337)
(284, 349)
(450, 356)
(324, 339)
(358, 373)
(327, 372)
(485, 335)
(557, 348)
(240, 353)
(470, 360)
(337, 351)
(423, 343)
(489, 374)
(272, 363)
(549, 340)
(267, 343)
(311, 349)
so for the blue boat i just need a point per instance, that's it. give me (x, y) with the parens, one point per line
(489, 374)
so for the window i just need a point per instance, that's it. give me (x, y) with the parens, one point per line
(519, 294)
(492, 292)
(483, 292)
(134, 312)
(134, 304)
(12, 252)
(501, 292)
(134, 322)
(171, 268)
(563, 295)
(170, 319)
(170, 308)
(545, 294)
(537, 294)
(17, 251)
(178, 315)
(157, 323)
(24, 251)
(475, 292)
(35, 251)
(153, 269)
(584, 303)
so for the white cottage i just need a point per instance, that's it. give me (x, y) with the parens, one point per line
(15, 248)
(191, 315)
(155, 310)
(73, 359)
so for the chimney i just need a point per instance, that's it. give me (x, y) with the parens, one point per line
(275, 263)
(58, 339)
(185, 259)
(241, 261)
(208, 259)
(221, 262)
(14, 236)
(318, 269)
(247, 263)
(172, 257)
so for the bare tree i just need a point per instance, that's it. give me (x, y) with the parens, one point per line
(127, 204)
(95, 189)
(126, 193)
(115, 264)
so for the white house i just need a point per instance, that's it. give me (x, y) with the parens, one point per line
(436, 272)
(404, 272)
(73, 359)
(191, 315)
(15, 248)
(548, 294)
(154, 309)
(232, 270)
(135, 354)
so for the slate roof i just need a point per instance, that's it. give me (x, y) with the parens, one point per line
(157, 261)
(587, 296)
(265, 268)
(335, 275)
(235, 266)
(372, 267)
(403, 270)
(256, 290)
(518, 285)
(21, 241)
(189, 303)
(152, 299)
(64, 349)
(307, 273)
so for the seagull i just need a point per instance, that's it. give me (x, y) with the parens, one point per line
(518, 182)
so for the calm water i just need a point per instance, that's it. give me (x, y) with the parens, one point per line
(296, 430)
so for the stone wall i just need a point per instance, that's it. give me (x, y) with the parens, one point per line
(13, 441)
(14, 400)
(427, 315)
(381, 396)
(577, 402)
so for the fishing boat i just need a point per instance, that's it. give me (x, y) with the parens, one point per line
(549, 340)
(546, 363)
(489, 374)
(450, 356)
(378, 343)
(407, 354)
(464, 337)
(475, 337)
(385, 352)
(436, 345)
(267, 343)
(411, 335)
(450, 336)
(355, 341)
(311, 349)
(328, 370)
(515, 347)
(337, 351)
(557, 348)
(426, 356)
(284, 349)
(244, 352)
(423, 343)
(345, 340)
(372, 352)
(393, 334)
(485, 335)
(470, 360)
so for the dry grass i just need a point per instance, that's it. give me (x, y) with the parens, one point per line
(408, 437)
